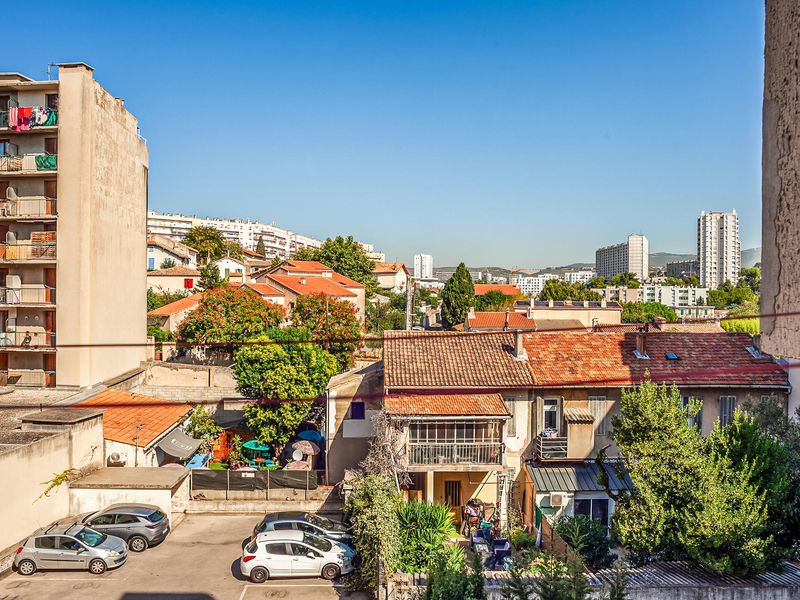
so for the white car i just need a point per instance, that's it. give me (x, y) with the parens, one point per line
(294, 554)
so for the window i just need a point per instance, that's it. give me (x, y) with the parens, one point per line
(151, 263)
(727, 404)
(597, 406)
(596, 508)
(452, 493)
(301, 550)
(188, 284)
(283, 526)
(126, 519)
(52, 101)
(357, 411)
(511, 407)
(66, 543)
(46, 543)
(550, 417)
(103, 520)
(697, 420)
(276, 549)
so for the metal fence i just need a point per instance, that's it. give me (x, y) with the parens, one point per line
(28, 295)
(554, 447)
(476, 453)
(263, 482)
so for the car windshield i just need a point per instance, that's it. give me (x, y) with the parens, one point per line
(90, 537)
(317, 542)
(155, 516)
(320, 522)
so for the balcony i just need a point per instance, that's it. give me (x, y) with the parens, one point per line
(28, 295)
(28, 207)
(28, 340)
(469, 453)
(40, 248)
(26, 377)
(48, 119)
(28, 164)
(551, 448)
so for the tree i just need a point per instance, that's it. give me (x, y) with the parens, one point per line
(382, 316)
(201, 426)
(261, 248)
(233, 250)
(751, 278)
(386, 455)
(210, 278)
(345, 256)
(647, 312)
(167, 263)
(457, 297)
(727, 296)
(596, 282)
(743, 319)
(208, 242)
(229, 314)
(332, 323)
(626, 280)
(158, 299)
(494, 300)
(589, 538)
(556, 289)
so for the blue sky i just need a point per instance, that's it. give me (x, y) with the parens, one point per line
(509, 133)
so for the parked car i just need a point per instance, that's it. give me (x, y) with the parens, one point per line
(140, 525)
(294, 554)
(303, 521)
(70, 546)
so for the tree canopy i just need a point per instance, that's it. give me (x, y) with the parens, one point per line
(626, 280)
(494, 300)
(727, 296)
(227, 314)
(556, 289)
(261, 248)
(646, 312)
(345, 256)
(158, 299)
(751, 278)
(210, 278)
(457, 296)
(332, 322)
(210, 244)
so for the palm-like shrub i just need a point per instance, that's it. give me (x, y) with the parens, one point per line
(424, 531)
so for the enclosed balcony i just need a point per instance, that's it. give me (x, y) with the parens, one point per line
(40, 248)
(17, 208)
(455, 443)
(26, 164)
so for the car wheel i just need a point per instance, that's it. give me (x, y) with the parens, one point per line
(27, 567)
(137, 544)
(330, 572)
(97, 567)
(259, 575)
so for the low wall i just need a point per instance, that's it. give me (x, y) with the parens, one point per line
(333, 508)
(177, 374)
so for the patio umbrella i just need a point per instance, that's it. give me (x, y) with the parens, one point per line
(298, 465)
(306, 447)
(310, 435)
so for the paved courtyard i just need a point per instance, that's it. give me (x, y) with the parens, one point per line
(199, 561)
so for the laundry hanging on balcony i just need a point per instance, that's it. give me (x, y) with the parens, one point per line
(46, 162)
(23, 118)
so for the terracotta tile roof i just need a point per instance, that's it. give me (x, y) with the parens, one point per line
(508, 290)
(125, 410)
(252, 254)
(489, 405)
(497, 321)
(607, 359)
(312, 285)
(687, 327)
(389, 267)
(305, 266)
(175, 307)
(452, 360)
(574, 414)
(345, 281)
(174, 272)
(170, 245)
(263, 289)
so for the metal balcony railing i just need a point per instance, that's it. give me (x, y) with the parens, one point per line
(28, 162)
(28, 206)
(27, 250)
(25, 377)
(27, 339)
(551, 447)
(50, 121)
(28, 295)
(475, 453)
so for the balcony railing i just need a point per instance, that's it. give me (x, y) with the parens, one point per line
(476, 453)
(50, 119)
(28, 295)
(28, 250)
(25, 377)
(548, 448)
(27, 339)
(28, 206)
(28, 162)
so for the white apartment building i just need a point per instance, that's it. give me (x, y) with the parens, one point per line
(277, 241)
(670, 295)
(631, 256)
(373, 254)
(533, 286)
(423, 266)
(579, 276)
(718, 249)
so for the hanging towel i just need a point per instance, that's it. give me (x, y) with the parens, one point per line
(13, 117)
(46, 162)
(25, 118)
(52, 118)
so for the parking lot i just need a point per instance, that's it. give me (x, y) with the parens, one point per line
(198, 561)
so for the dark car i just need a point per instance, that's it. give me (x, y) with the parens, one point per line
(140, 525)
(303, 521)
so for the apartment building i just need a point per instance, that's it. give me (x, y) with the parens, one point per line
(161, 249)
(423, 266)
(579, 276)
(630, 256)
(682, 268)
(73, 201)
(532, 286)
(718, 251)
(673, 296)
(277, 241)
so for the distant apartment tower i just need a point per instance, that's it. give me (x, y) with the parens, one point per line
(423, 266)
(718, 251)
(632, 256)
(682, 268)
(73, 187)
(579, 276)
(533, 285)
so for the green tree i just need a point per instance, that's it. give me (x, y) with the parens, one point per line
(556, 289)
(743, 319)
(210, 278)
(332, 323)
(261, 248)
(646, 312)
(727, 296)
(589, 538)
(158, 334)
(382, 316)
(201, 426)
(345, 256)
(626, 280)
(596, 282)
(229, 314)
(424, 532)
(208, 242)
(158, 299)
(494, 300)
(457, 297)
(751, 278)
(167, 263)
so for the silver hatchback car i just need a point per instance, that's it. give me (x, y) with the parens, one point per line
(71, 546)
(140, 525)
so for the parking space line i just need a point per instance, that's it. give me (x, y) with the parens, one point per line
(267, 585)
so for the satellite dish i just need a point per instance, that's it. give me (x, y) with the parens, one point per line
(297, 455)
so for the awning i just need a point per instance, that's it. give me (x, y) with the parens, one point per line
(178, 444)
(574, 414)
(583, 478)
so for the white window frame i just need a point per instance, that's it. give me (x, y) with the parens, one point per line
(727, 406)
(557, 411)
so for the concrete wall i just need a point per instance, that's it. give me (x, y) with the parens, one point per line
(586, 316)
(170, 283)
(102, 183)
(181, 375)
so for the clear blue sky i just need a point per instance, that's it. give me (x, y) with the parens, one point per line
(509, 133)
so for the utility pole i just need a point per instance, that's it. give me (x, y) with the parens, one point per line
(410, 303)
(136, 442)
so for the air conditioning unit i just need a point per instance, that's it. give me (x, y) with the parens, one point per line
(557, 499)
(117, 459)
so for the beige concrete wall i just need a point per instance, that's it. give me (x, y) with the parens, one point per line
(102, 184)
(169, 283)
(87, 500)
(474, 484)
(780, 279)
(586, 316)
(180, 375)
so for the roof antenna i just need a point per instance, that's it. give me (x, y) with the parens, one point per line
(49, 66)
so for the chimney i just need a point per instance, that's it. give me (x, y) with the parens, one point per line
(550, 303)
(505, 324)
(471, 312)
(302, 281)
(641, 340)
(519, 350)
(660, 322)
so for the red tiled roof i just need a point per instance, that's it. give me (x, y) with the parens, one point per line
(125, 410)
(305, 266)
(312, 285)
(174, 272)
(251, 253)
(489, 405)
(175, 307)
(508, 290)
(263, 289)
(389, 267)
(345, 281)
(497, 320)
(597, 359)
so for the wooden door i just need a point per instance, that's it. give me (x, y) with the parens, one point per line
(51, 145)
(49, 364)
(4, 185)
(4, 368)
(3, 321)
(51, 188)
(50, 285)
(50, 321)
(3, 274)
